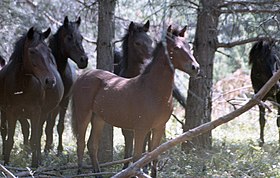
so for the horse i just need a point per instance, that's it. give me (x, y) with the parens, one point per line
(136, 52)
(2, 61)
(264, 63)
(30, 87)
(65, 43)
(141, 104)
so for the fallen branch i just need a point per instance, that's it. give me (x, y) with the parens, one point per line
(134, 168)
(7, 172)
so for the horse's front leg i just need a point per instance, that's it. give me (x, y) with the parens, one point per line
(262, 124)
(128, 145)
(157, 134)
(3, 130)
(278, 117)
(49, 129)
(25, 130)
(36, 133)
(60, 126)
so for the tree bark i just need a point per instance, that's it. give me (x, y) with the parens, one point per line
(106, 11)
(199, 100)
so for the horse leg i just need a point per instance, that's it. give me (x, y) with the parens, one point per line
(262, 124)
(81, 134)
(156, 138)
(60, 126)
(36, 132)
(278, 117)
(49, 129)
(93, 142)
(139, 137)
(11, 119)
(128, 145)
(25, 131)
(3, 130)
(147, 142)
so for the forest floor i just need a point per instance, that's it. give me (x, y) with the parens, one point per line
(234, 153)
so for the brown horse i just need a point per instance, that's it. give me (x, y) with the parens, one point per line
(137, 50)
(65, 43)
(141, 104)
(30, 87)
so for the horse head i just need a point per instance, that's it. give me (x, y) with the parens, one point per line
(72, 42)
(180, 53)
(38, 59)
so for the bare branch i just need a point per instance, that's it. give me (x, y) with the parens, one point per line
(254, 11)
(241, 42)
(246, 3)
(204, 128)
(6, 171)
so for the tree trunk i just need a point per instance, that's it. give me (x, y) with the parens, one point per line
(199, 100)
(106, 11)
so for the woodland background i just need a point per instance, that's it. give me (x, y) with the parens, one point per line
(221, 33)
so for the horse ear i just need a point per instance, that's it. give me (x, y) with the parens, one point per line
(182, 32)
(66, 22)
(47, 32)
(169, 29)
(146, 26)
(78, 21)
(131, 27)
(30, 33)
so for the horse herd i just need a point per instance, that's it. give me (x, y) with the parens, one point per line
(38, 82)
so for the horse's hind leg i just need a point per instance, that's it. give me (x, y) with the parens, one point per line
(128, 145)
(93, 142)
(262, 124)
(156, 138)
(82, 125)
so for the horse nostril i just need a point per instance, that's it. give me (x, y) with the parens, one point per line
(84, 59)
(50, 82)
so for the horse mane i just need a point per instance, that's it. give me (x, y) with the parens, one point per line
(137, 29)
(155, 53)
(174, 32)
(261, 50)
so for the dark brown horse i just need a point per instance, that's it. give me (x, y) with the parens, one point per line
(30, 87)
(66, 43)
(264, 63)
(112, 99)
(136, 53)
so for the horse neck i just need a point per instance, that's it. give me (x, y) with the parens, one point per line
(134, 64)
(60, 58)
(159, 73)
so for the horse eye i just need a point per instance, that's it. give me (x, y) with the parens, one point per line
(137, 43)
(176, 48)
